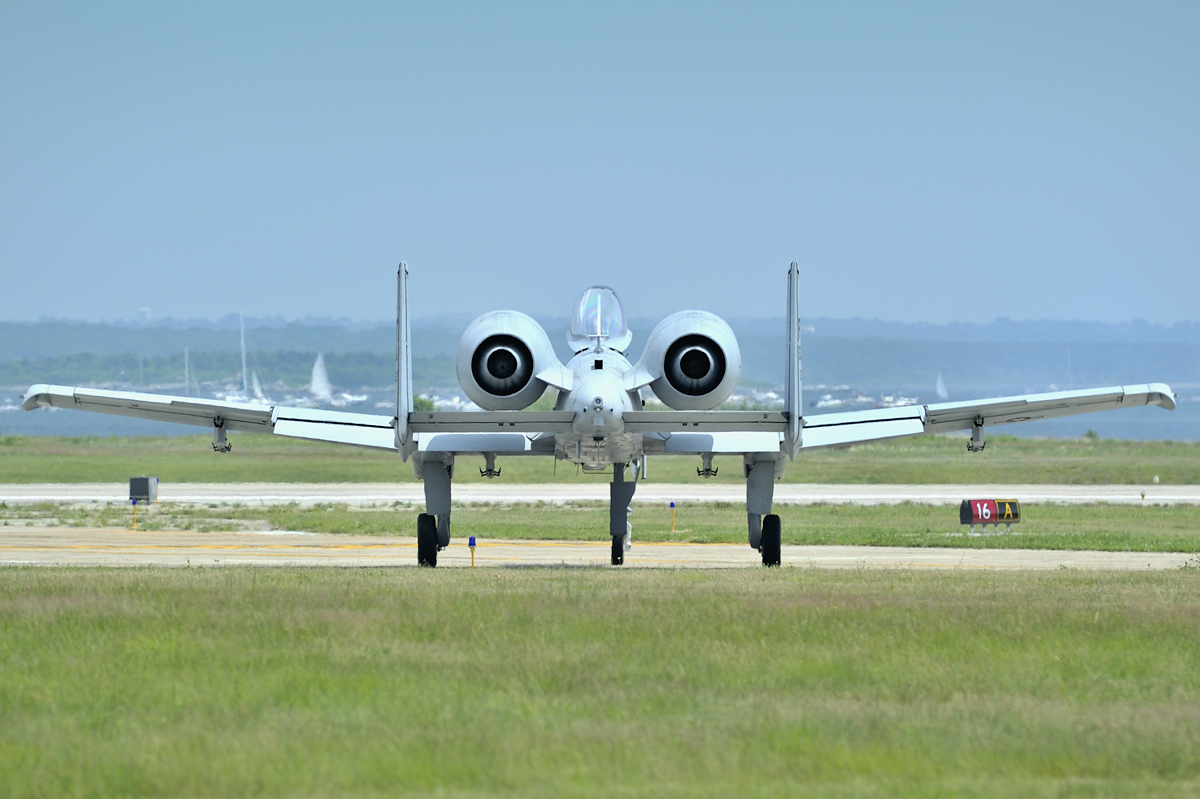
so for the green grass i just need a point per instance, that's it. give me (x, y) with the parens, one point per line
(1125, 528)
(578, 682)
(933, 459)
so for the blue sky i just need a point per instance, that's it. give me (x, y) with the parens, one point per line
(923, 162)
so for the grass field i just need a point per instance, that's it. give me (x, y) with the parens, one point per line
(1138, 528)
(932, 459)
(552, 683)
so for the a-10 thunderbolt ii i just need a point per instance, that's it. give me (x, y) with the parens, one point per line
(691, 363)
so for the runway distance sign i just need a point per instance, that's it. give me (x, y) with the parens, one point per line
(989, 511)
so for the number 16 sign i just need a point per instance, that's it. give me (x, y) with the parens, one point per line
(989, 511)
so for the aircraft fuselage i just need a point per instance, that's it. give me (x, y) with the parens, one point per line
(599, 400)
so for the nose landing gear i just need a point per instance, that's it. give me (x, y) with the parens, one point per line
(619, 496)
(771, 541)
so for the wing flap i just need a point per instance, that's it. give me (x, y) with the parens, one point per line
(856, 427)
(819, 437)
(356, 435)
(339, 427)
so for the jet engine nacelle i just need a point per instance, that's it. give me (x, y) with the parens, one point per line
(499, 358)
(695, 360)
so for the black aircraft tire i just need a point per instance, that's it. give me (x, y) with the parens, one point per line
(618, 552)
(427, 541)
(771, 540)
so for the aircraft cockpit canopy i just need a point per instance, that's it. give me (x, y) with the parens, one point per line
(598, 320)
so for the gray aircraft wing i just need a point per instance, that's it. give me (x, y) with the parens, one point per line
(531, 432)
(761, 431)
(360, 429)
(854, 427)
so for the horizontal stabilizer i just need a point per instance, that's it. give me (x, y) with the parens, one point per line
(491, 421)
(505, 443)
(706, 421)
(700, 443)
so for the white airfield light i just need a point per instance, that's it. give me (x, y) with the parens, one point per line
(691, 362)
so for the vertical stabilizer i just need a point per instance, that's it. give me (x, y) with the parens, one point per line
(793, 404)
(404, 394)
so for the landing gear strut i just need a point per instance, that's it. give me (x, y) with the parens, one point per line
(764, 526)
(620, 494)
(220, 442)
(433, 526)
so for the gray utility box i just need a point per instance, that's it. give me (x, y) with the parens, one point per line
(143, 489)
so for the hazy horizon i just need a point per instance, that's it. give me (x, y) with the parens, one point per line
(232, 322)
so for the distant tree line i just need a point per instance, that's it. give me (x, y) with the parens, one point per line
(968, 367)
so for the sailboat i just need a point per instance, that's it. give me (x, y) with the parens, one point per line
(319, 386)
(321, 390)
(257, 387)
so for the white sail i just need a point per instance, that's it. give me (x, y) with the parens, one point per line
(257, 386)
(942, 393)
(320, 387)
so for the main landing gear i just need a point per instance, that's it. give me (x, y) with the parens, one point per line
(433, 526)
(427, 544)
(764, 527)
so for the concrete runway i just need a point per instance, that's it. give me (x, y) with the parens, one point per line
(647, 492)
(77, 546)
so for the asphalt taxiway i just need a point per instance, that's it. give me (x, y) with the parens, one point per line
(647, 492)
(82, 546)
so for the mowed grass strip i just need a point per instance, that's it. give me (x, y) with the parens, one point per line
(579, 682)
(1124, 528)
(926, 460)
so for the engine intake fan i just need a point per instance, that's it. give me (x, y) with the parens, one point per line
(694, 365)
(502, 365)
(502, 360)
(693, 361)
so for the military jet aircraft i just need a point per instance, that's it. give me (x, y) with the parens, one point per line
(691, 363)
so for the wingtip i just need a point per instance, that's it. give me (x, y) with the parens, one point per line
(33, 397)
(1160, 394)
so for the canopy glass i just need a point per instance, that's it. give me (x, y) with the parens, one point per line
(598, 318)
